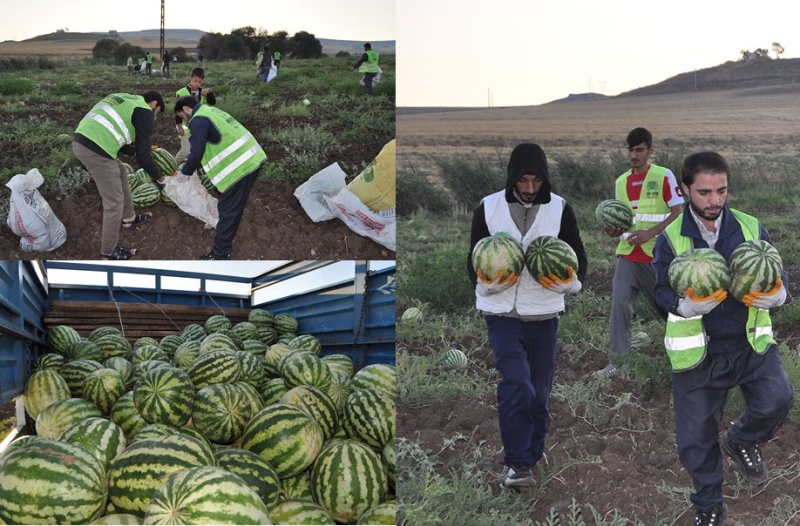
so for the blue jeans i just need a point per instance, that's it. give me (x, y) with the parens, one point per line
(525, 356)
(263, 73)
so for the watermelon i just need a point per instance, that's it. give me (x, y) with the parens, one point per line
(273, 356)
(126, 416)
(51, 482)
(246, 331)
(49, 361)
(285, 323)
(146, 195)
(103, 388)
(383, 513)
(206, 495)
(82, 350)
(215, 367)
(614, 214)
(348, 479)
(252, 395)
(112, 345)
(75, 373)
(256, 347)
(237, 341)
(217, 341)
(186, 353)
(412, 314)
(60, 337)
(261, 318)
(297, 487)
(389, 458)
(293, 511)
(156, 431)
(100, 437)
(285, 436)
(302, 368)
(166, 199)
(755, 265)
(251, 370)
(123, 367)
(254, 470)
(128, 168)
(548, 255)
(453, 359)
(193, 332)
(317, 404)
(339, 363)
(498, 260)
(147, 352)
(169, 344)
(703, 269)
(164, 161)
(45, 387)
(369, 415)
(119, 518)
(268, 335)
(377, 376)
(102, 331)
(142, 177)
(139, 471)
(147, 365)
(205, 181)
(164, 395)
(340, 388)
(217, 323)
(144, 340)
(56, 418)
(221, 412)
(272, 391)
(306, 343)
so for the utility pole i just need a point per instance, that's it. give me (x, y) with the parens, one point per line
(161, 53)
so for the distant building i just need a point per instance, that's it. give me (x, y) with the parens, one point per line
(112, 33)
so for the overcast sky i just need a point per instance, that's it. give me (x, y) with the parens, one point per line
(451, 52)
(337, 19)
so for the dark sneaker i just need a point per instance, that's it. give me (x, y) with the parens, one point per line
(609, 371)
(212, 256)
(751, 466)
(715, 517)
(517, 477)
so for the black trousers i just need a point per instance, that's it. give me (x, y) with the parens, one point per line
(231, 206)
(368, 78)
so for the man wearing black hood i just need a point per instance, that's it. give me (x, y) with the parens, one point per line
(522, 321)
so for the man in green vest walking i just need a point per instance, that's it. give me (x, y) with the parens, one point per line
(717, 343)
(149, 61)
(368, 65)
(232, 160)
(118, 123)
(276, 58)
(130, 65)
(652, 193)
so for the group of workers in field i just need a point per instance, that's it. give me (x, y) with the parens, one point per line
(210, 138)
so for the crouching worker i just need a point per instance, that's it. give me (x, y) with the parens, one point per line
(119, 123)
(232, 160)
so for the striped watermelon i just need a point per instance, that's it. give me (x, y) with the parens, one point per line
(261, 318)
(412, 314)
(75, 373)
(120, 519)
(103, 388)
(139, 471)
(339, 363)
(144, 340)
(548, 255)
(193, 332)
(126, 416)
(142, 177)
(370, 416)
(128, 168)
(217, 323)
(123, 367)
(194, 433)
(453, 359)
(614, 214)
(299, 512)
(286, 337)
(252, 395)
(285, 436)
(273, 390)
(254, 470)
(273, 357)
(102, 331)
(169, 344)
(251, 370)
(348, 479)
(246, 331)
(498, 260)
(306, 343)
(112, 345)
(317, 404)
(82, 350)
(217, 341)
(237, 341)
(148, 352)
(268, 335)
(383, 513)
(56, 418)
(45, 387)
(166, 199)
(50, 361)
(186, 353)
(215, 367)
(156, 431)
(206, 495)
(164, 395)
(134, 181)
(302, 368)
(51, 482)
(205, 181)
(285, 323)
(100, 437)
(755, 265)
(703, 269)
(389, 458)
(164, 161)
(378, 376)
(340, 388)
(60, 337)
(256, 348)
(147, 365)
(297, 487)
(221, 412)
(146, 195)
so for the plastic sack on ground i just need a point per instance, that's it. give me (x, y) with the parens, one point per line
(190, 196)
(30, 217)
(375, 79)
(273, 72)
(376, 185)
(378, 226)
(311, 194)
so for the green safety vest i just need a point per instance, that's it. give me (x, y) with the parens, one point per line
(237, 153)
(149, 59)
(259, 58)
(141, 61)
(109, 124)
(685, 338)
(276, 55)
(651, 209)
(371, 65)
(130, 62)
(184, 92)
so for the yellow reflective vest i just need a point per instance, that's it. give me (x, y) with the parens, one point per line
(651, 208)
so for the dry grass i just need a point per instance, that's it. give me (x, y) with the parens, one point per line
(79, 48)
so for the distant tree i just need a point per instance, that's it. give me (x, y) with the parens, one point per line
(210, 45)
(126, 50)
(252, 39)
(761, 53)
(105, 49)
(305, 45)
(180, 53)
(778, 49)
(342, 53)
(279, 41)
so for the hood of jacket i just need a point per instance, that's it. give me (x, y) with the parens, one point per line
(528, 158)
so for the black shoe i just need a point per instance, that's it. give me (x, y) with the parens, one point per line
(120, 253)
(715, 517)
(751, 466)
(212, 256)
(517, 476)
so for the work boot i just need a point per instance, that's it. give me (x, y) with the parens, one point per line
(715, 517)
(517, 476)
(609, 371)
(751, 466)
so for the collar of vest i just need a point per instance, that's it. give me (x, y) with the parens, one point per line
(689, 228)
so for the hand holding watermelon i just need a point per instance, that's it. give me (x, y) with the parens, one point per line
(692, 305)
(766, 300)
(570, 285)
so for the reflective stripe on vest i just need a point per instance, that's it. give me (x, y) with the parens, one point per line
(685, 339)
(109, 123)
(650, 208)
(371, 65)
(237, 154)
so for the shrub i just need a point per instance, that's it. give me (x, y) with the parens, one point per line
(470, 181)
(68, 88)
(341, 54)
(438, 277)
(415, 193)
(15, 86)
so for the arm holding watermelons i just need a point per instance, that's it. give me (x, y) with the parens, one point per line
(775, 297)
(692, 305)
(478, 231)
(766, 262)
(571, 285)
(571, 235)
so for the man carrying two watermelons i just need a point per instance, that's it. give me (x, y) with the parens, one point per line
(717, 342)
(522, 319)
(232, 160)
(119, 123)
(652, 192)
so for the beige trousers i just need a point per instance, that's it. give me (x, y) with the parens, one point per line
(183, 153)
